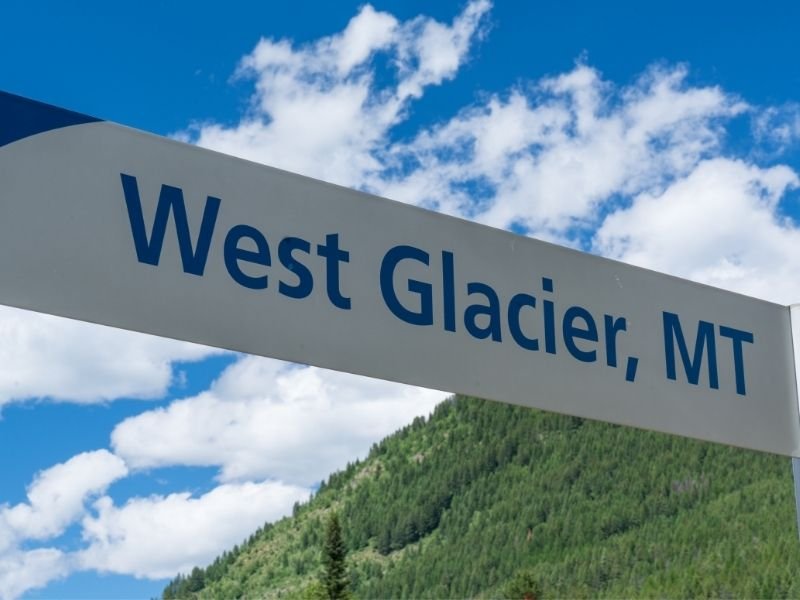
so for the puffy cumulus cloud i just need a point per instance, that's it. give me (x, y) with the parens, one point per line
(56, 499)
(554, 158)
(550, 159)
(160, 536)
(21, 571)
(319, 110)
(264, 418)
(154, 537)
(57, 496)
(51, 357)
(720, 225)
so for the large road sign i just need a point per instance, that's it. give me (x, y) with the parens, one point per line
(103, 223)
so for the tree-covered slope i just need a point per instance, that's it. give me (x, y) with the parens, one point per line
(490, 500)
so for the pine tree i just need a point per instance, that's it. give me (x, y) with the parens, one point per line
(335, 577)
(196, 580)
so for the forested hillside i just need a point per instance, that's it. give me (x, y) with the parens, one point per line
(489, 500)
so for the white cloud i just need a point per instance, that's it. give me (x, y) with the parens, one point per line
(154, 536)
(719, 225)
(264, 418)
(369, 31)
(160, 536)
(57, 495)
(318, 109)
(47, 356)
(555, 158)
(431, 53)
(22, 571)
(550, 159)
(56, 499)
(778, 126)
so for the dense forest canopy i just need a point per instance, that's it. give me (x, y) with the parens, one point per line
(489, 500)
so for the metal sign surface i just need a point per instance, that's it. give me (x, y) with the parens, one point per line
(106, 224)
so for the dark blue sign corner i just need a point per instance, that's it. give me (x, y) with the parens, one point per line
(21, 117)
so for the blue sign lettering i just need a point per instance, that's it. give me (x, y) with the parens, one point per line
(533, 323)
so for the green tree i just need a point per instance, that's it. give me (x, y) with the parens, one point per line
(523, 586)
(196, 580)
(335, 577)
(314, 591)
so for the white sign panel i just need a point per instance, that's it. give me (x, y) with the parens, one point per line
(110, 225)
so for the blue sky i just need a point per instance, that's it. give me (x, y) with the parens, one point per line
(665, 136)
